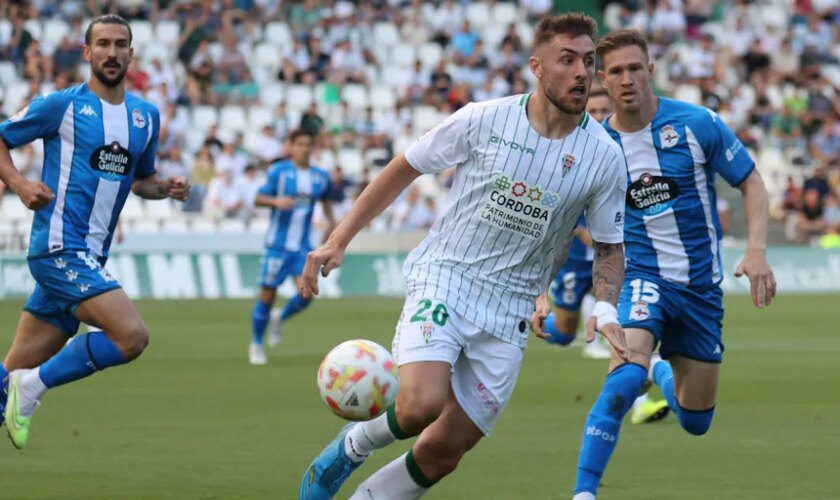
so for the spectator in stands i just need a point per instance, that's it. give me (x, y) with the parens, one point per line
(266, 147)
(20, 40)
(136, 78)
(280, 123)
(212, 140)
(221, 90)
(67, 57)
(159, 73)
(172, 165)
(246, 91)
(37, 67)
(201, 173)
(464, 41)
(369, 131)
(831, 213)
(785, 128)
(318, 60)
(250, 183)
(441, 80)
(414, 212)
(755, 60)
(810, 216)
(225, 198)
(709, 96)
(347, 64)
(536, 9)
(311, 121)
(232, 62)
(825, 144)
(231, 160)
(173, 127)
(818, 181)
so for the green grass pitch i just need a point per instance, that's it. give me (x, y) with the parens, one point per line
(191, 419)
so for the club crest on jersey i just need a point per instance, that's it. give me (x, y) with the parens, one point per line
(427, 329)
(568, 163)
(112, 160)
(639, 311)
(20, 114)
(668, 137)
(652, 194)
(137, 118)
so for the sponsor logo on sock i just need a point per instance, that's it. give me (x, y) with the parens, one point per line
(596, 432)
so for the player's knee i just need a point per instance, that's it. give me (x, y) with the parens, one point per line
(134, 340)
(415, 412)
(695, 422)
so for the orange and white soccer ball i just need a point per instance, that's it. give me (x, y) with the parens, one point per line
(358, 380)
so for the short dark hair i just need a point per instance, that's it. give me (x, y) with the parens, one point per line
(573, 24)
(619, 39)
(106, 19)
(300, 133)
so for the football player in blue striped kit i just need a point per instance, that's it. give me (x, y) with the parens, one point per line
(291, 190)
(99, 144)
(671, 293)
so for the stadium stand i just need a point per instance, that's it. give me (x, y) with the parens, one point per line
(371, 76)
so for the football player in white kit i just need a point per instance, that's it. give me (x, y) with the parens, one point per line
(527, 167)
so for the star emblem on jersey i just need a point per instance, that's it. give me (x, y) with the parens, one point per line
(60, 263)
(668, 137)
(534, 194)
(71, 275)
(137, 119)
(87, 110)
(519, 189)
(568, 163)
(503, 183)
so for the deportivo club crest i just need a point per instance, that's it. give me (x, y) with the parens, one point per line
(668, 137)
(568, 163)
(137, 118)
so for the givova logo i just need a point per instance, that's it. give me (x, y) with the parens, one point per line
(494, 139)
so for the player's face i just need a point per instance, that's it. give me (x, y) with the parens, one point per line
(301, 150)
(599, 107)
(565, 68)
(626, 76)
(109, 53)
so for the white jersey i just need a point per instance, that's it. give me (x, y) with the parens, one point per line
(508, 219)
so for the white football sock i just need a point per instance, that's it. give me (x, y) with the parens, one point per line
(31, 389)
(640, 400)
(392, 482)
(584, 495)
(368, 436)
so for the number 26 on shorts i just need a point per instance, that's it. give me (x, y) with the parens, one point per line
(439, 314)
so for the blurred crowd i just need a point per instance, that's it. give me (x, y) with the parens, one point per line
(770, 69)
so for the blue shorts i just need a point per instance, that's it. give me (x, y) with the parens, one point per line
(686, 322)
(62, 282)
(572, 282)
(277, 265)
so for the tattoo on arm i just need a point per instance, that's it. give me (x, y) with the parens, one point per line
(608, 271)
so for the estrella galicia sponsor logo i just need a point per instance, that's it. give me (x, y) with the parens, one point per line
(494, 139)
(652, 194)
(113, 160)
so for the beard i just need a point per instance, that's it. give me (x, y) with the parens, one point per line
(566, 108)
(109, 81)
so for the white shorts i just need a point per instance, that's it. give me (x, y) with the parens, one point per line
(484, 368)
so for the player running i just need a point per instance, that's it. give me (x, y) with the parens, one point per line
(671, 293)
(527, 167)
(569, 292)
(291, 190)
(99, 144)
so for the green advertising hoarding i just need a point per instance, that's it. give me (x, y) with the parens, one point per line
(215, 274)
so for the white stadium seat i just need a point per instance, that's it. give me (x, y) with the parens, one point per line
(259, 116)
(11, 209)
(8, 73)
(54, 31)
(141, 34)
(203, 225)
(167, 32)
(144, 226)
(233, 118)
(272, 93)
(356, 96)
(298, 97)
(429, 54)
(278, 33)
(382, 97)
(267, 55)
(34, 28)
(231, 226)
(403, 55)
(386, 34)
(688, 93)
(203, 117)
(425, 117)
(16, 93)
(175, 226)
(478, 14)
(258, 225)
(159, 210)
(503, 14)
(133, 209)
(351, 161)
(158, 51)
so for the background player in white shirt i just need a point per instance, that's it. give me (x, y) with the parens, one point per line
(527, 167)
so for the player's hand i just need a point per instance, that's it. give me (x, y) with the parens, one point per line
(612, 332)
(322, 260)
(179, 188)
(284, 202)
(35, 195)
(541, 310)
(762, 281)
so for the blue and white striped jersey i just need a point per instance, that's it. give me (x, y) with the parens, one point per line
(672, 228)
(93, 151)
(289, 229)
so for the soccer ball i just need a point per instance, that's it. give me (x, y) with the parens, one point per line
(358, 380)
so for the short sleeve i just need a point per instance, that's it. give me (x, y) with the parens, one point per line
(724, 152)
(41, 118)
(605, 213)
(146, 165)
(271, 180)
(444, 146)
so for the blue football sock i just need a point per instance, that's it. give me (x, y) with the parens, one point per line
(663, 376)
(696, 422)
(295, 305)
(601, 432)
(4, 384)
(259, 320)
(86, 354)
(557, 337)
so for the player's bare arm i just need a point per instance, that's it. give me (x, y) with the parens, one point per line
(34, 195)
(329, 214)
(583, 235)
(542, 308)
(384, 189)
(607, 278)
(754, 264)
(279, 202)
(154, 188)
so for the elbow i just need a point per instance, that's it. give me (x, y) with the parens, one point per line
(754, 183)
